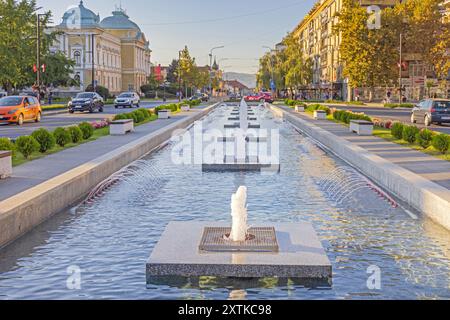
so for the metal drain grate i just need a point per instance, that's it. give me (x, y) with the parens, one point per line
(259, 240)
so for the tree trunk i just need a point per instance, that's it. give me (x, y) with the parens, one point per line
(371, 89)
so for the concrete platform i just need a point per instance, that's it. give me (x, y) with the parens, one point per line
(300, 255)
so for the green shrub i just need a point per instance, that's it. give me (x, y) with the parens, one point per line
(139, 116)
(409, 133)
(46, 139)
(424, 138)
(120, 116)
(76, 135)
(27, 145)
(7, 145)
(145, 112)
(87, 129)
(441, 142)
(397, 130)
(62, 136)
(398, 105)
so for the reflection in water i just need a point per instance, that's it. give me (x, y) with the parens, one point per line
(111, 239)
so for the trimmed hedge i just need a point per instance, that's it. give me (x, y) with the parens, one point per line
(45, 139)
(441, 142)
(397, 130)
(409, 133)
(62, 136)
(7, 145)
(76, 134)
(347, 116)
(27, 145)
(315, 107)
(87, 129)
(424, 138)
(397, 105)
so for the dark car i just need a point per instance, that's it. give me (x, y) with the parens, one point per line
(200, 96)
(86, 101)
(431, 111)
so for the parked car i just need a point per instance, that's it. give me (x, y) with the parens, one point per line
(86, 101)
(3, 94)
(18, 109)
(431, 111)
(127, 99)
(200, 96)
(260, 97)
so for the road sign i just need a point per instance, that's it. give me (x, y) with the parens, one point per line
(272, 85)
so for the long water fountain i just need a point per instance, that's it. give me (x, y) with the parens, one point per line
(183, 218)
(244, 144)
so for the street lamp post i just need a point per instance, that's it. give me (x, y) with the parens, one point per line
(400, 72)
(179, 75)
(210, 66)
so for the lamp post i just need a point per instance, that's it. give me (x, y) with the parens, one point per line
(38, 49)
(179, 75)
(210, 66)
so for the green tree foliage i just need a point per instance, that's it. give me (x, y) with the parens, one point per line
(18, 42)
(58, 70)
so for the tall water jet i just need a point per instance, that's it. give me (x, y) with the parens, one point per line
(243, 116)
(239, 226)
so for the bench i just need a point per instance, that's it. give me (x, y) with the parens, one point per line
(300, 108)
(320, 115)
(185, 108)
(121, 127)
(361, 127)
(5, 164)
(164, 114)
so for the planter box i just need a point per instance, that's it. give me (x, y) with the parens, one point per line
(320, 115)
(164, 114)
(5, 164)
(299, 108)
(361, 127)
(121, 127)
(185, 108)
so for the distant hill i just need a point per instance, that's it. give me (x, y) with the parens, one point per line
(245, 78)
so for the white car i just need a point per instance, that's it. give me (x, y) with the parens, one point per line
(127, 99)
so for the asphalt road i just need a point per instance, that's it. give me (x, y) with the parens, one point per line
(51, 122)
(403, 115)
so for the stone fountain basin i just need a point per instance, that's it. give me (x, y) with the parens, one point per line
(300, 254)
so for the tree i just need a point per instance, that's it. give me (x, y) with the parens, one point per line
(58, 71)
(172, 72)
(368, 55)
(18, 41)
(297, 67)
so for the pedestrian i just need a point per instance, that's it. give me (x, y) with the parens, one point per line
(50, 98)
(404, 100)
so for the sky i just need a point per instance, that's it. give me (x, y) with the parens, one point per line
(242, 26)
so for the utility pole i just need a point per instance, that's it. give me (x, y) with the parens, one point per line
(93, 60)
(400, 71)
(210, 66)
(38, 51)
(179, 76)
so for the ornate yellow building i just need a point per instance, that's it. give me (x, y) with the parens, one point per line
(114, 49)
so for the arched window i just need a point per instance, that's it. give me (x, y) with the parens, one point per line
(77, 57)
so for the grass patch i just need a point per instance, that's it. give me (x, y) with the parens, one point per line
(54, 107)
(386, 135)
(19, 159)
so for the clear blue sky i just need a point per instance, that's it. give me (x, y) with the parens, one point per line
(243, 26)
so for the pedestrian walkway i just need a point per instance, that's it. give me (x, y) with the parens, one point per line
(429, 167)
(38, 171)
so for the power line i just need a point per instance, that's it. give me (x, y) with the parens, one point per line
(225, 18)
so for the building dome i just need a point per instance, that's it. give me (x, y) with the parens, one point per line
(119, 21)
(79, 17)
